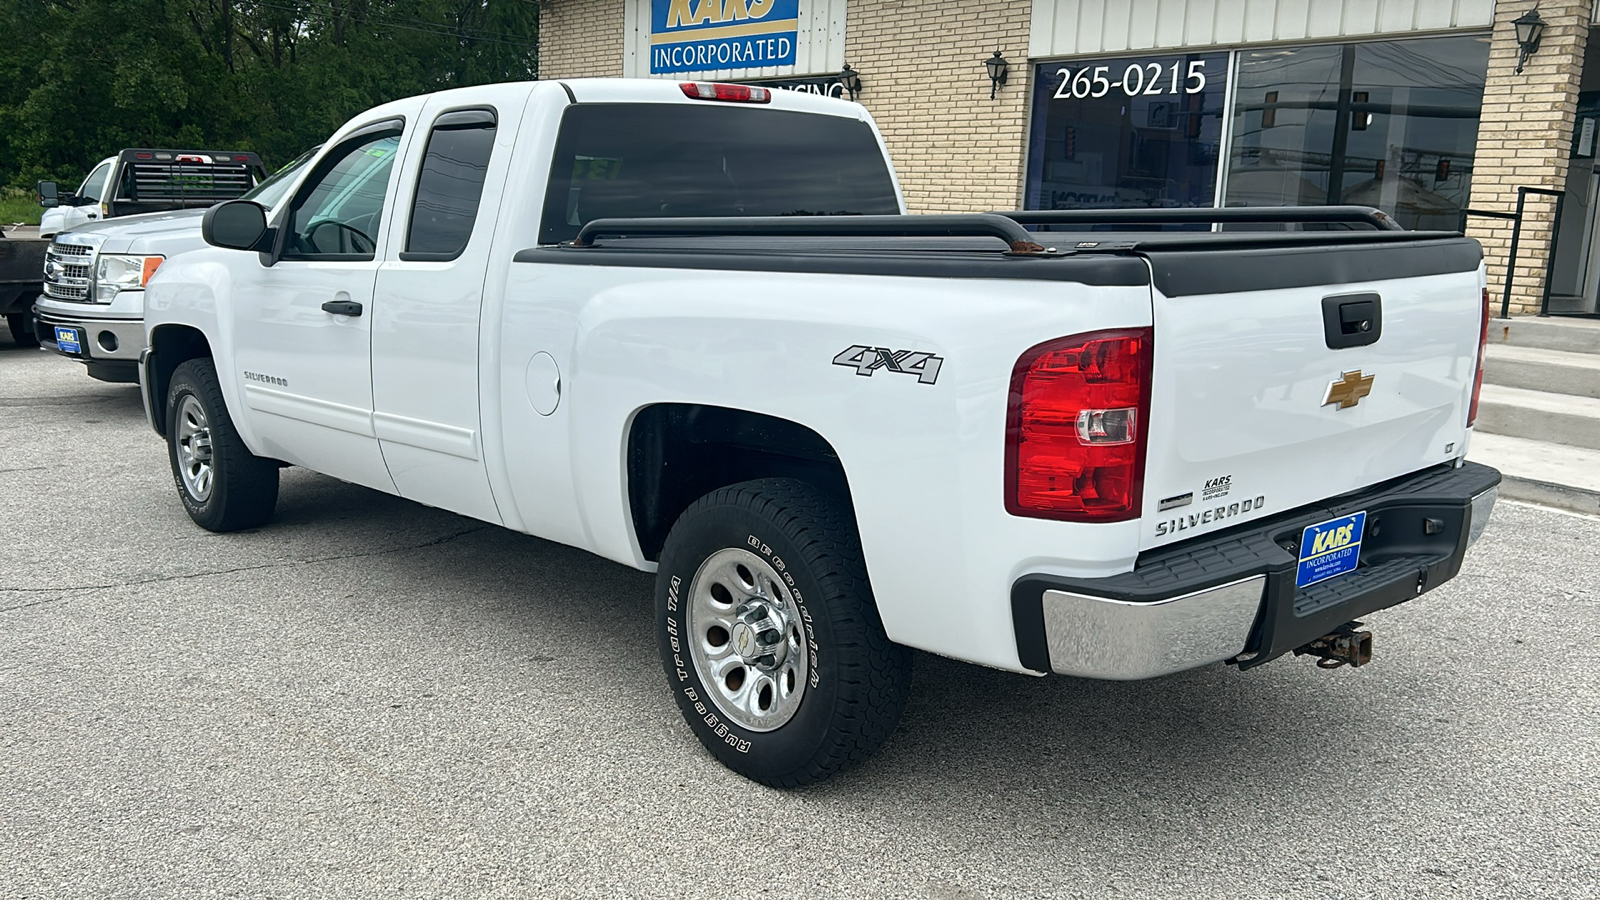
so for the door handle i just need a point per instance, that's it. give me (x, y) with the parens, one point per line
(342, 307)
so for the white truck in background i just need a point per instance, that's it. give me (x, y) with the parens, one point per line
(688, 327)
(143, 180)
(92, 305)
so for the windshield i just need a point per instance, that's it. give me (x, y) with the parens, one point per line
(269, 192)
(671, 159)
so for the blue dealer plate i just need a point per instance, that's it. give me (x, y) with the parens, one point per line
(1330, 548)
(70, 340)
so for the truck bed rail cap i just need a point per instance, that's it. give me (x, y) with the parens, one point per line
(1019, 239)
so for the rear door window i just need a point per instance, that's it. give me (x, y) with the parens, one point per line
(637, 160)
(450, 184)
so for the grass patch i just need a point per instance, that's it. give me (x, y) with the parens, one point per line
(19, 205)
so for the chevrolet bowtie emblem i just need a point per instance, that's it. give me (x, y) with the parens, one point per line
(1349, 389)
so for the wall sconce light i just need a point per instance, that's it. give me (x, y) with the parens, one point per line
(997, 67)
(1529, 29)
(851, 80)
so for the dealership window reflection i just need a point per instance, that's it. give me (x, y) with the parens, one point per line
(1137, 131)
(1389, 124)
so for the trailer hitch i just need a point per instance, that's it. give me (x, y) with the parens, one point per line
(1344, 647)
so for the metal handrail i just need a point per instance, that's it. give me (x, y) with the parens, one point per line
(1516, 238)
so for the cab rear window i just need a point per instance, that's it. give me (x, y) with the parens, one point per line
(634, 160)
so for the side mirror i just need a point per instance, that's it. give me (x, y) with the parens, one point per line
(48, 197)
(235, 225)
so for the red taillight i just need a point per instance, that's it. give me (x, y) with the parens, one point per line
(1076, 427)
(1483, 345)
(732, 93)
(144, 156)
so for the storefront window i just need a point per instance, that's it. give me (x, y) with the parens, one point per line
(1136, 131)
(1390, 124)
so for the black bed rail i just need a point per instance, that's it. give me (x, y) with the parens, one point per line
(1227, 215)
(1019, 239)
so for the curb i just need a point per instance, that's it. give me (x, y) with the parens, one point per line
(1544, 493)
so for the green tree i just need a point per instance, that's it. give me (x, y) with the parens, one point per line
(81, 79)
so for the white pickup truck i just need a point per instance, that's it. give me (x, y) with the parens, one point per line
(140, 180)
(92, 305)
(688, 328)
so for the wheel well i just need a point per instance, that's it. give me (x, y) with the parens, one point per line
(171, 346)
(679, 452)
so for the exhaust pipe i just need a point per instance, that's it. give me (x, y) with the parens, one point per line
(1345, 647)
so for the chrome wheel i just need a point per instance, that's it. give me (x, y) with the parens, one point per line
(746, 640)
(193, 443)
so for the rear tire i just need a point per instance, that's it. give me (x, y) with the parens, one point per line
(21, 325)
(223, 486)
(770, 636)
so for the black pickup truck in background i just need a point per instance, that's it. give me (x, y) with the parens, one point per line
(21, 271)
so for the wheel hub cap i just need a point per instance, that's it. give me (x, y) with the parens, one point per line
(746, 640)
(758, 635)
(192, 443)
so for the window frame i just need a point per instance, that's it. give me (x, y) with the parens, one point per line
(390, 125)
(460, 118)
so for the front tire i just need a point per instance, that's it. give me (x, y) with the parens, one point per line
(770, 636)
(21, 326)
(223, 486)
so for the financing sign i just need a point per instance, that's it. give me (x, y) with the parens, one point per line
(703, 35)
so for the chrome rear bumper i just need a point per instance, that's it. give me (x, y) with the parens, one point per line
(1231, 595)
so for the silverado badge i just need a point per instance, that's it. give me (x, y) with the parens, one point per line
(1348, 390)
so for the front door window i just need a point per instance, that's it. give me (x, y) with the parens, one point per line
(339, 216)
(94, 187)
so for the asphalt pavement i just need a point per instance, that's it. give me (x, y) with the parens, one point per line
(370, 698)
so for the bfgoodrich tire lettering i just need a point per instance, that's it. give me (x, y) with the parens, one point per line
(836, 683)
(222, 485)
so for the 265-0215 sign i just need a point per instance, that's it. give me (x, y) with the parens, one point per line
(703, 35)
(1135, 80)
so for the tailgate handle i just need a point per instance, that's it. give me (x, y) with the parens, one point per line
(1352, 320)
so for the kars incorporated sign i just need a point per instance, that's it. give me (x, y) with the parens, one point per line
(701, 35)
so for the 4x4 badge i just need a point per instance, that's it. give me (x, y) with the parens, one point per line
(1348, 390)
(866, 360)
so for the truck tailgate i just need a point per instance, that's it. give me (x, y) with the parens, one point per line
(1269, 393)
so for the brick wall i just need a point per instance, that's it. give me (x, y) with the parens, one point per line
(580, 38)
(1524, 138)
(924, 82)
